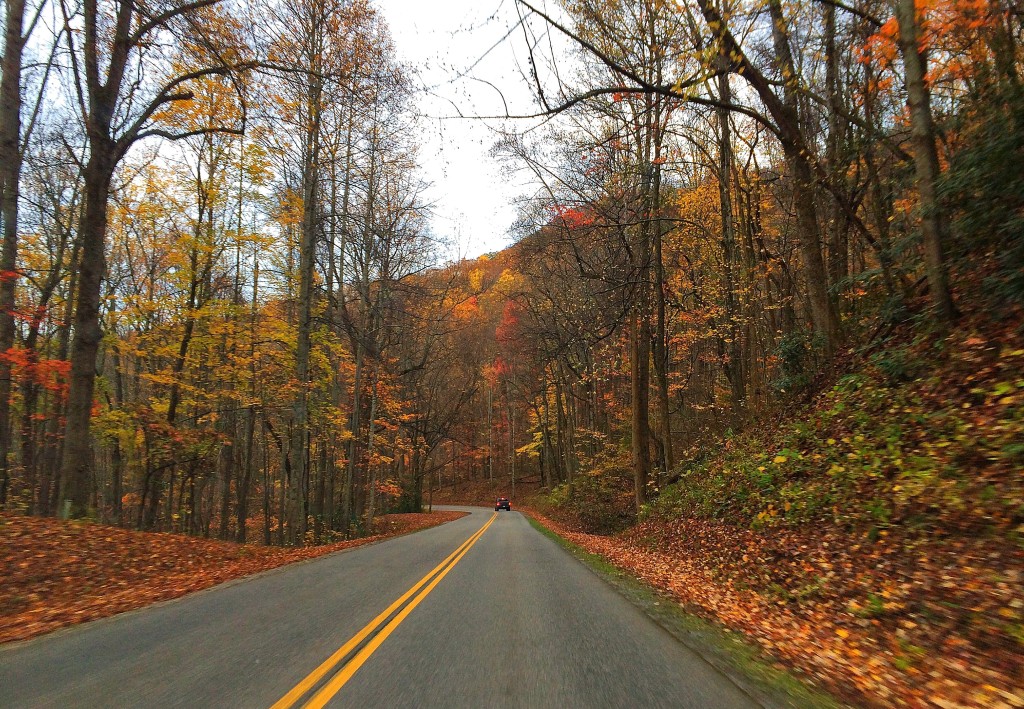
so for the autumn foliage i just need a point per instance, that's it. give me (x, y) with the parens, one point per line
(757, 339)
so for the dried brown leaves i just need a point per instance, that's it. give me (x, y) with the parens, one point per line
(55, 573)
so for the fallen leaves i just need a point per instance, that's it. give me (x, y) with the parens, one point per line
(54, 573)
(890, 623)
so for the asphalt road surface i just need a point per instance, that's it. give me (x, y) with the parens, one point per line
(480, 612)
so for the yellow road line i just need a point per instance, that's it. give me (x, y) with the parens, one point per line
(316, 675)
(325, 694)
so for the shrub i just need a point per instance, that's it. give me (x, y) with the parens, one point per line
(601, 500)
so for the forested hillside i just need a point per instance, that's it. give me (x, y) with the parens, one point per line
(224, 303)
(773, 338)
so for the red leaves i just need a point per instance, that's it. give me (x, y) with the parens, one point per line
(508, 329)
(51, 374)
(620, 96)
(571, 217)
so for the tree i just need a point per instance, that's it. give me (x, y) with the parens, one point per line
(926, 158)
(12, 140)
(116, 114)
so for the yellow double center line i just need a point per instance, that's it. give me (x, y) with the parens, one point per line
(344, 673)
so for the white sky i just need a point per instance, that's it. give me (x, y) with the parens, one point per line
(473, 195)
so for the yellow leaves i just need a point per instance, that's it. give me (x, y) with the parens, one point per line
(842, 633)
(779, 459)
(508, 283)
(289, 211)
(768, 517)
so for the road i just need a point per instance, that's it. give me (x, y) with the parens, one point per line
(489, 613)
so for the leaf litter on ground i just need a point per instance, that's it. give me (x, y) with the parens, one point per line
(867, 621)
(55, 573)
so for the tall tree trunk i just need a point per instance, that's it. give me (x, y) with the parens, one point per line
(371, 507)
(226, 472)
(248, 473)
(76, 467)
(661, 351)
(244, 482)
(297, 488)
(354, 424)
(10, 176)
(639, 367)
(926, 160)
(838, 259)
(117, 463)
(823, 312)
(734, 366)
(49, 484)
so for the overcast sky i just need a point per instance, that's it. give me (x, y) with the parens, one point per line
(473, 195)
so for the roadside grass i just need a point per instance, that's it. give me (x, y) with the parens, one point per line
(744, 663)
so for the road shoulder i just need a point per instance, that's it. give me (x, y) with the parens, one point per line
(743, 663)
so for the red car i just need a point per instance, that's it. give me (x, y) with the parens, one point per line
(502, 503)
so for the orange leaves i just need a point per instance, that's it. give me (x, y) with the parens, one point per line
(468, 309)
(882, 47)
(951, 35)
(289, 211)
(572, 217)
(51, 374)
(389, 488)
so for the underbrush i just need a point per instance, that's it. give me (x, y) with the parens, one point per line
(928, 434)
(600, 501)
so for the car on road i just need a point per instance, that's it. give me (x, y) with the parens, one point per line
(502, 503)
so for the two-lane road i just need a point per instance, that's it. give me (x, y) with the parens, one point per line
(483, 611)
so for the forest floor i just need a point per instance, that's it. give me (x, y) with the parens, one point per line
(55, 573)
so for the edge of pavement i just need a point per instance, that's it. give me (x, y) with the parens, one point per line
(743, 663)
